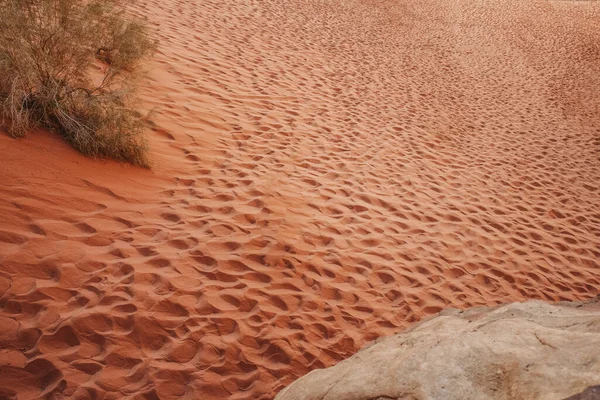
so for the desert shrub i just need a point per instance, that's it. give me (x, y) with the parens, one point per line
(71, 66)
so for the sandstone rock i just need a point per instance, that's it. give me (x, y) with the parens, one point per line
(530, 350)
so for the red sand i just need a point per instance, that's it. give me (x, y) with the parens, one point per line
(326, 172)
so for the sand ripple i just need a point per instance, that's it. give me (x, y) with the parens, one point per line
(326, 172)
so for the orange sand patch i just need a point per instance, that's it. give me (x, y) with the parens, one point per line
(325, 172)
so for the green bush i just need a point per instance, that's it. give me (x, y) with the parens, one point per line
(71, 66)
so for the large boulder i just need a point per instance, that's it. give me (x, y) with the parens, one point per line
(530, 350)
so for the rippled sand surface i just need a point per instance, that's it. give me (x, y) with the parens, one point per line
(325, 172)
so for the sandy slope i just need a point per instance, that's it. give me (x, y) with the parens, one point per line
(326, 172)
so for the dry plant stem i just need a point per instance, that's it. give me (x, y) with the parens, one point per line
(47, 48)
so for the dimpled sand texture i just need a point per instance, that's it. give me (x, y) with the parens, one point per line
(325, 172)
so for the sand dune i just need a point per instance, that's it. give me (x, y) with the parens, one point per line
(325, 172)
